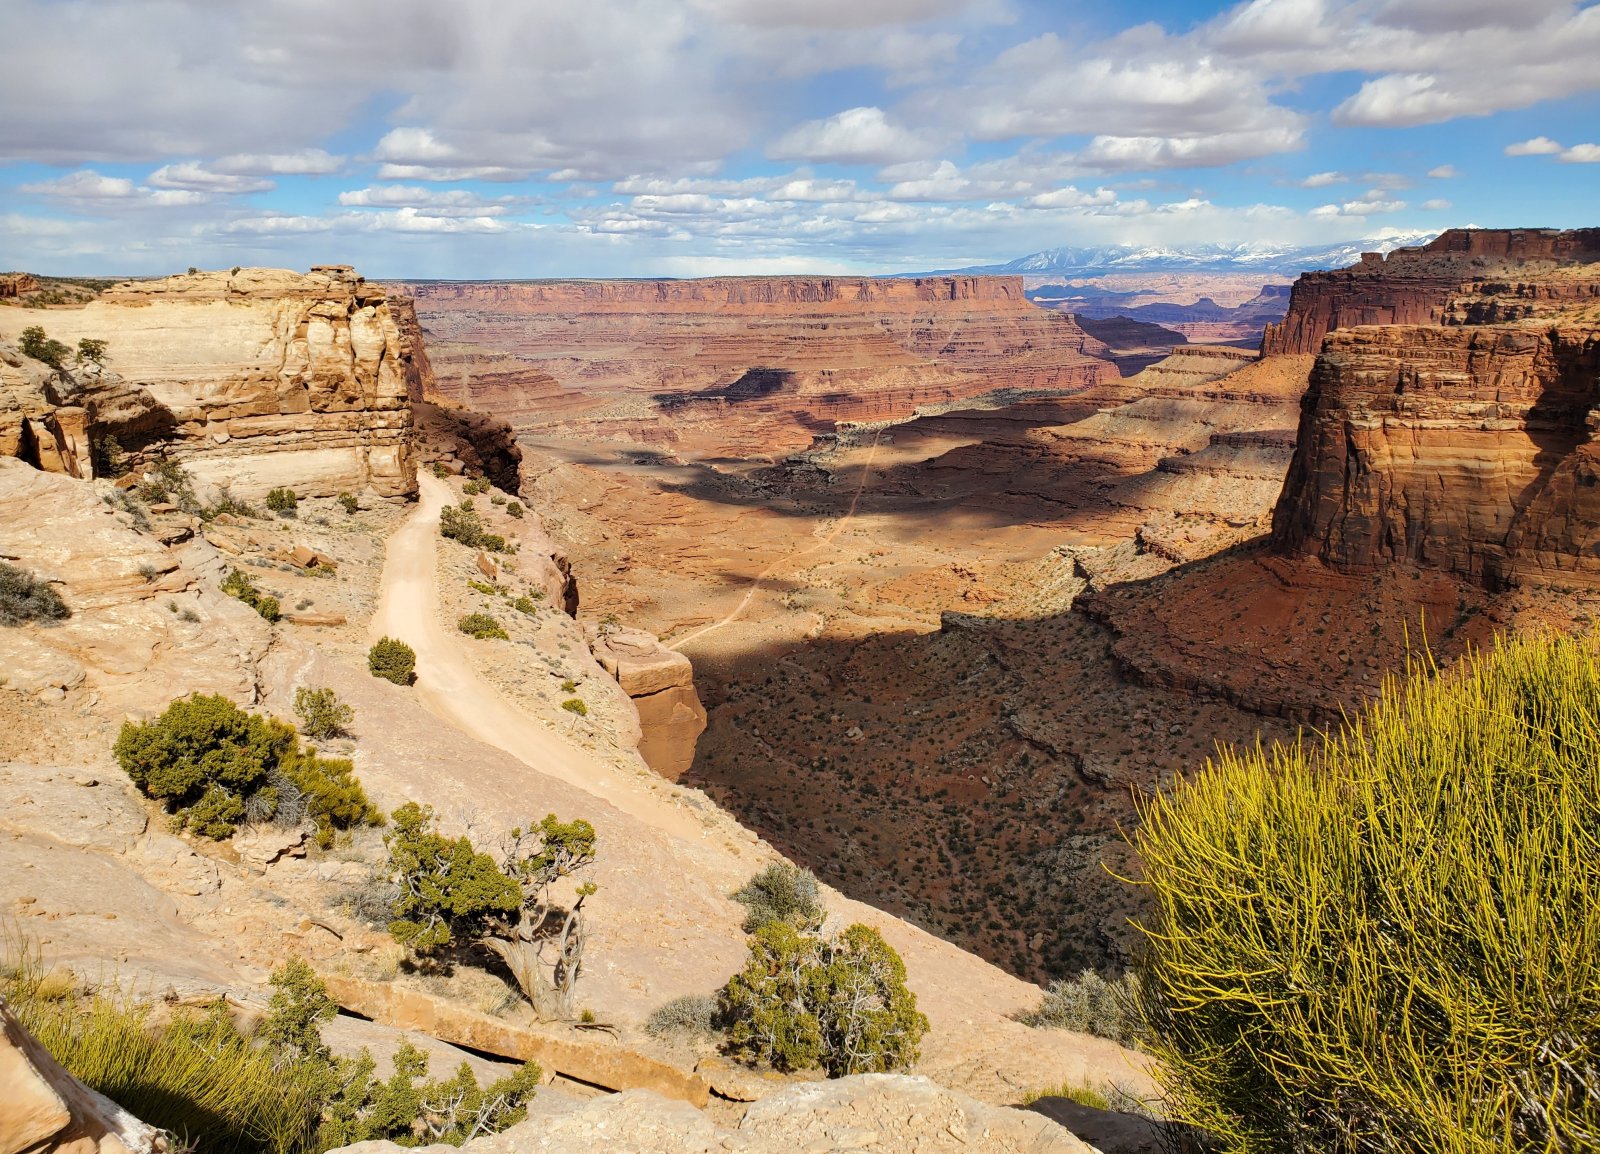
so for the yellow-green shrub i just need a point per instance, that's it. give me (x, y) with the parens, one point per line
(1390, 939)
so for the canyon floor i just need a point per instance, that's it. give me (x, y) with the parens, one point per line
(900, 694)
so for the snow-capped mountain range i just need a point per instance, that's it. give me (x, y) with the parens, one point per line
(1248, 257)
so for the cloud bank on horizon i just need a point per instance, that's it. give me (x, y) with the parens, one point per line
(694, 137)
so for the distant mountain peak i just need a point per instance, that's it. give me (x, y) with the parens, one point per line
(1245, 256)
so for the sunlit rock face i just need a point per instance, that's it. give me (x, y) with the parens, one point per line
(260, 378)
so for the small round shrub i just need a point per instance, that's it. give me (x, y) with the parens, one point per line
(242, 586)
(1090, 1004)
(782, 892)
(349, 502)
(576, 705)
(283, 502)
(514, 509)
(322, 715)
(393, 660)
(482, 627)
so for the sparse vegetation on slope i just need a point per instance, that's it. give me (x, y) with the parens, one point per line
(239, 584)
(1390, 940)
(214, 765)
(807, 1000)
(450, 894)
(24, 598)
(277, 1091)
(1090, 1004)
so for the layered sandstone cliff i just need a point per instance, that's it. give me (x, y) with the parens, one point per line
(1464, 448)
(262, 377)
(744, 364)
(1464, 276)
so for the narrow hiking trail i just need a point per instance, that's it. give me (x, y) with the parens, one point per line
(974, 1045)
(822, 542)
(453, 691)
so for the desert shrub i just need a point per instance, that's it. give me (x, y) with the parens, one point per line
(349, 503)
(33, 343)
(805, 1001)
(214, 765)
(482, 587)
(1389, 939)
(497, 499)
(450, 893)
(283, 502)
(322, 715)
(482, 627)
(392, 660)
(1090, 1004)
(514, 509)
(576, 705)
(166, 480)
(440, 471)
(1080, 1092)
(690, 1014)
(526, 604)
(24, 598)
(781, 893)
(333, 798)
(492, 543)
(228, 503)
(475, 486)
(242, 586)
(202, 757)
(109, 458)
(461, 523)
(91, 349)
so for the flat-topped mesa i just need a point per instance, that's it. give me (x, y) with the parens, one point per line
(271, 377)
(715, 294)
(743, 365)
(1464, 276)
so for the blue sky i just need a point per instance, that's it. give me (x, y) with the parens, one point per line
(533, 138)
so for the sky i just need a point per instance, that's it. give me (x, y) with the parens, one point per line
(558, 138)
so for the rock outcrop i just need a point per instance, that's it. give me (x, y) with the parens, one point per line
(1464, 276)
(745, 365)
(45, 1110)
(461, 438)
(660, 682)
(263, 377)
(1463, 441)
(1466, 448)
(878, 1113)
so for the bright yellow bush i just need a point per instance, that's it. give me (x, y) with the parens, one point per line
(1390, 939)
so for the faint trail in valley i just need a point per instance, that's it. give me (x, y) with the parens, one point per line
(824, 540)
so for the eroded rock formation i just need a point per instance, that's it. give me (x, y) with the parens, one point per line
(266, 377)
(660, 683)
(743, 365)
(1464, 442)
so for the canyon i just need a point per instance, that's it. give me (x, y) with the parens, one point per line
(903, 580)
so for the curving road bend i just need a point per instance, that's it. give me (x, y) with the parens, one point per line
(452, 690)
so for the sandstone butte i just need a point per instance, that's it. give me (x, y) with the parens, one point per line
(269, 379)
(1444, 477)
(742, 365)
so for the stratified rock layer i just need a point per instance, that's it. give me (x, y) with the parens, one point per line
(267, 377)
(1465, 276)
(660, 683)
(743, 365)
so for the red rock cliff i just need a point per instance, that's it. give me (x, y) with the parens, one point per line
(741, 364)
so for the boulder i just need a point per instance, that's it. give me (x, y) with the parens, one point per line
(660, 682)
